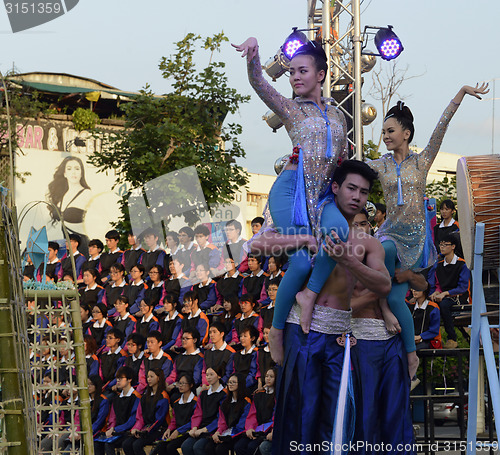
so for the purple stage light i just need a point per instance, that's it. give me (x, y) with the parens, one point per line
(293, 42)
(390, 48)
(292, 46)
(388, 44)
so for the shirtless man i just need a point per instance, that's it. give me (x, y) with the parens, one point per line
(309, 384)
(381, 371)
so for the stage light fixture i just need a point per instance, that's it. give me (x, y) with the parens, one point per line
(279, 64)
(272, 120)
(293, 43)
(388, 44)
(368, 61)
(368, 113)
(274, 68)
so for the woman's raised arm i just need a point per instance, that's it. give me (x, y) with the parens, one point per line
(432, 149)
(280, 105)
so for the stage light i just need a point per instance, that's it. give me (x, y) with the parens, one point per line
(274, 68)
(368, 61)
(272, 120)
(280, 63)
(388, 44)
(368, 113)
(293, 43)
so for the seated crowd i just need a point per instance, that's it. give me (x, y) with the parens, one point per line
(176, 344)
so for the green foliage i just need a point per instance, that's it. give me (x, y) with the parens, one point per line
(370, 152)
(183, 128)
(444, 189)
(23, 106)
(443, 371)
(85, 119)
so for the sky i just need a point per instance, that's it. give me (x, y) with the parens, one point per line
(448, 44)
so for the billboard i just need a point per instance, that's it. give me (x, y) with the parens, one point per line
(56, 170)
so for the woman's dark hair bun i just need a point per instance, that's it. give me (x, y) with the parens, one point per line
(404, 117)
(404, 110)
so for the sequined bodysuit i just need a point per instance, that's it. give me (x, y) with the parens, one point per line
(307, 128)
(405, 223)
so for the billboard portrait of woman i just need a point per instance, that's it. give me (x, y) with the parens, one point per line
(70, 193)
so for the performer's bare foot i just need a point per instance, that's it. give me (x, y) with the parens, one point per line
(306, 299)
(413, 362)
(276, 345)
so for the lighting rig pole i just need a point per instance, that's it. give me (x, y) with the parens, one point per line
(357, 41)
(342, 42)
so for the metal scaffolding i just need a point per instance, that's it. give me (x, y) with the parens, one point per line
(340, 26)
(17, 415)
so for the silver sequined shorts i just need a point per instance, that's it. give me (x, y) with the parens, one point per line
(324, 319)
(369, 329)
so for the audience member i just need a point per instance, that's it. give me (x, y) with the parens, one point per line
(195, 319)
(154, 255)
(132, 256)
(380, 215)
(206, 253)
(170, 324)
(137, 288)
(426, 320)
(94, 260)
(151, 415)
(259, 421)
(205, 416)
(122, 415)
(230, 283)
(180, 425)
(448, 223)
(256, 224)
(449, 280)
(233, 412)
(67, 268)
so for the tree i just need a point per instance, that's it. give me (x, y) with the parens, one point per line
(443, 189)
(183, 128)
(23, 105)
(386, 85)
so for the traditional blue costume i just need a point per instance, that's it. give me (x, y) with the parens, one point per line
(404, 233)
(383, 418)
(301, 200)
(309, 383)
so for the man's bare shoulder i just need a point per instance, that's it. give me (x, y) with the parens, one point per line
(361, 237)
(367, 247)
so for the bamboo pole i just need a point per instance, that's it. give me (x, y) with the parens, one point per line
(10, 381)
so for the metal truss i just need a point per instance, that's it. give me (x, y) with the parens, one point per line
(339, 22)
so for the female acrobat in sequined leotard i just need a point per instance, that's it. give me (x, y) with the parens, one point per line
(403, 177)
(301, 199)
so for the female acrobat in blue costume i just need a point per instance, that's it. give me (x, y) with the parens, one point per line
(403, 176)
(301, 202)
